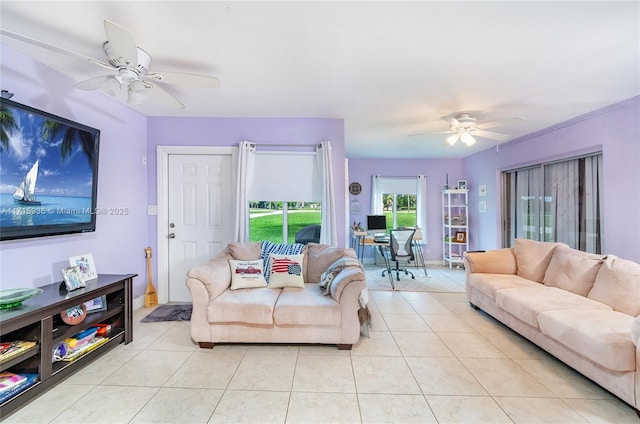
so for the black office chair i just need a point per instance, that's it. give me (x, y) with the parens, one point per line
(400, 248)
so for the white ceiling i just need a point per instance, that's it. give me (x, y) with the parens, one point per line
(389, 69)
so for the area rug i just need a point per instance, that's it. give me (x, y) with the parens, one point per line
(439, 279)
(170, 312)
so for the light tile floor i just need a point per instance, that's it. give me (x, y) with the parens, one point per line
(429, 359)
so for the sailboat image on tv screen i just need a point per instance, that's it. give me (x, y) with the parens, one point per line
(26, 191)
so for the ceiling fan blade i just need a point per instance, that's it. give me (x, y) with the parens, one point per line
(452, 121)
(157, 94)
(92, 84)
(109, 84)
(490, 134)
(183, 78)
(44, 45)
(122, 42)
(497, 123)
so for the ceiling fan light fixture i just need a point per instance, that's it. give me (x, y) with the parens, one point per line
(467, 139)
(451, 140)
(112, 85)
(136, 93)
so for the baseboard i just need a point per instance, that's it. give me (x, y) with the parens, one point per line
(138, 302)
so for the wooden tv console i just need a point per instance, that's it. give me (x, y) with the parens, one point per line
(38, 320)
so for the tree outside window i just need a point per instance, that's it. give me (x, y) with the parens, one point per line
(400, 209)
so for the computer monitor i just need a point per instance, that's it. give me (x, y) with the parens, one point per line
(376, 224)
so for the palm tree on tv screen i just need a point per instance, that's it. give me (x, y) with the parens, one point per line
(7, 125)
(70, 137)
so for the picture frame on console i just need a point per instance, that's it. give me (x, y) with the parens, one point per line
(86, 265)
(96, 305)
(72, 278)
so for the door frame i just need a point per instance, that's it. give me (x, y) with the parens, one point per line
(162, 199)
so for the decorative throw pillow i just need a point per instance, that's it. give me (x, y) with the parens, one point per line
(268, 248)
(247, 274)
(286, 271)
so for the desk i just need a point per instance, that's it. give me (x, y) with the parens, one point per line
(363, 239)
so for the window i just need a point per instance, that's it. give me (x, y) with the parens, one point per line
(559, 201)
(279, 222)
(400, 209)
(401, 199)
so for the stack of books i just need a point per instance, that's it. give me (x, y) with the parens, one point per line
(9, 350)
(83, 348)
(11, 384)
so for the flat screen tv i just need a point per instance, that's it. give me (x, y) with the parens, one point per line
(48, 173)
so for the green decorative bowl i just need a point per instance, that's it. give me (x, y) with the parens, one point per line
(14, 297)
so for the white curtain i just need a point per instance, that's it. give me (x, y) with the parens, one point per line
(376, 195)
(328, 230)
(421, 206)
(526, 193)
(246, 162)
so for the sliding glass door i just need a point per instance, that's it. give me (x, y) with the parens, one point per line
(559, 201)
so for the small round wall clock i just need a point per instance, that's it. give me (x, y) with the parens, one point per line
(355, 188)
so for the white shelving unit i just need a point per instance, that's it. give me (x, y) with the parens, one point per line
(455, 221)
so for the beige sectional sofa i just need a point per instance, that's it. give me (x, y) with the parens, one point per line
(580, 307)
(324, 312)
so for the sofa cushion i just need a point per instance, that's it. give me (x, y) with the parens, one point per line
(635, 331)
(533, 258)
(286, 271)
(490, 283)
(306, 306)
(618, 284)
(246, 274)
(526, 303)
(251, 306)
(498, 261)
(602, 336)
(319, 257)
(244, 251)
(268, 248)
(572, 270)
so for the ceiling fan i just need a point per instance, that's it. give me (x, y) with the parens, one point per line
(130, 79)
(464, 127)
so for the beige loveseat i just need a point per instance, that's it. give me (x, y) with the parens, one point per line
(580, 307)
(312, 314)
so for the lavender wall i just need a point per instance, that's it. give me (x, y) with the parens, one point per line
(615, 130)
(361, 171)
(124, 182)
(119, 241)
(230, 131)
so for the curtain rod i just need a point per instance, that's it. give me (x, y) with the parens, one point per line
(399, 176)
(287, 145)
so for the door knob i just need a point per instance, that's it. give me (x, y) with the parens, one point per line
(172, 235)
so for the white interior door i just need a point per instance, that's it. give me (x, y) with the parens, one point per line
(200, 214)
